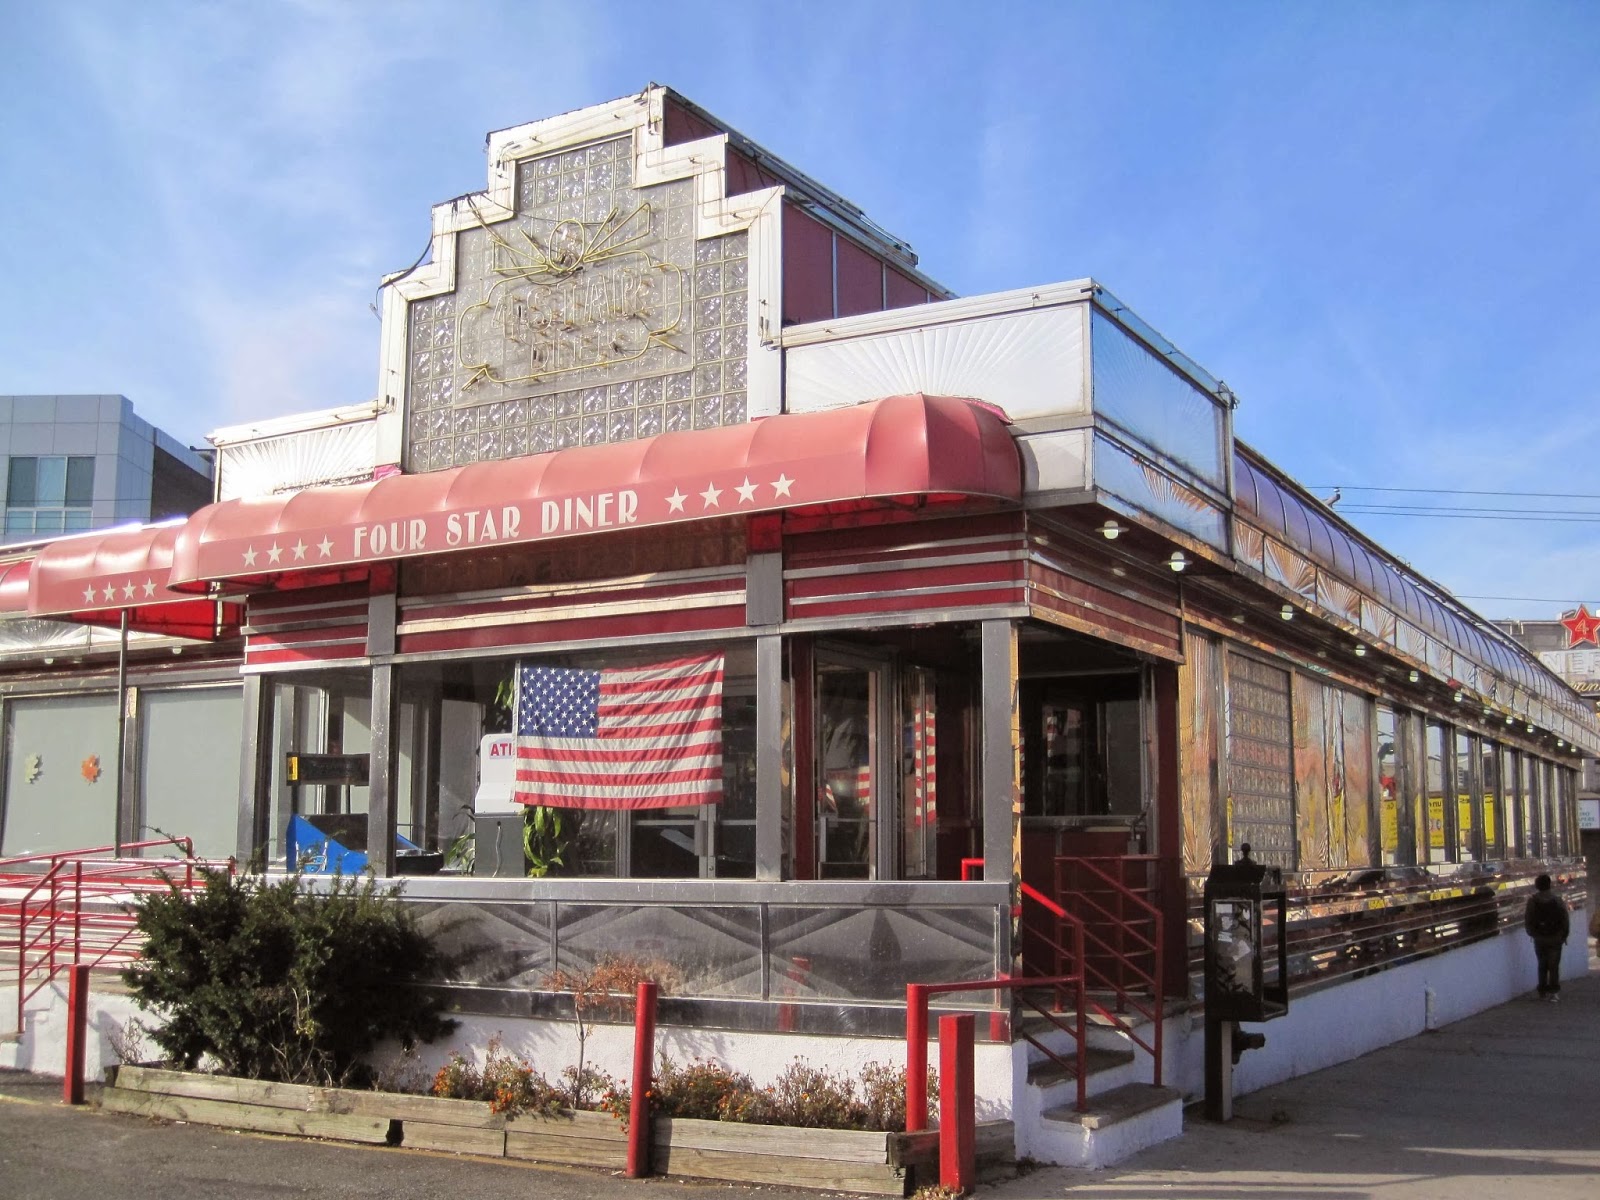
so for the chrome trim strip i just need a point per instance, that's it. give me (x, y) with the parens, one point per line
(902, 564)
(581, 588)
(940, 589)
(733, 598)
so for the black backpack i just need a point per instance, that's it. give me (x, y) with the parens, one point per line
(1545, 920)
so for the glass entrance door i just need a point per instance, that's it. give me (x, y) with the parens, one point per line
(848, 771)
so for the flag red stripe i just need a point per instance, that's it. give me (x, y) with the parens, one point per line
(624, 778)
(612, 712)
(625, 687)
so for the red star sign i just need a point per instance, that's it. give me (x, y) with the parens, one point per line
(1582, 626)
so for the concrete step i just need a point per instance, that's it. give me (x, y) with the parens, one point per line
(1047, 1071)
(1031, 1020)
(1118, 1124)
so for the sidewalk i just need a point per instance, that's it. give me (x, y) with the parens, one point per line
(1500, 1106)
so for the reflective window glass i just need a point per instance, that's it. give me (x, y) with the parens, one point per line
(845, 755)
(1388, 787)
(22, 483)
(1511, 805)
(80, 481)
(52, 482)
(1436, 845)
(1493, 812)
(1467, 798)
(1532, 831)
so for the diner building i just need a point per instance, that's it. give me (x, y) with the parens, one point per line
(984, 605)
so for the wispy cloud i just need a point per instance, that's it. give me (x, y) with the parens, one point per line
(255, 134)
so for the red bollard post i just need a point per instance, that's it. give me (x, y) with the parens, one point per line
(916, 1057)
(957, 1127)
(644, 1051)
(77, 1030)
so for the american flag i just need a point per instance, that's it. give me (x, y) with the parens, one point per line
(635, 737)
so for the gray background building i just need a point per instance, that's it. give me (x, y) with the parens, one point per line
(86, 462)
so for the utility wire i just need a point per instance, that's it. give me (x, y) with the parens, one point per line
(1474, 509)
(1352, 487)
(1536, 517)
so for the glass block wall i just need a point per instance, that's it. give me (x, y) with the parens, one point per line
(593, 315)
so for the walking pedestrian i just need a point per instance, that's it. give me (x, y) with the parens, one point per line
(1548, 923)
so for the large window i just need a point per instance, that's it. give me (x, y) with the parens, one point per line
(452, 717)
(60, 779)
(189, 766)
(1532, 827)
(1435, 846)
(849, 758)
(1494, 825)
(1391, 810)
(1511, 784)
(1468, 802)
(48, 495)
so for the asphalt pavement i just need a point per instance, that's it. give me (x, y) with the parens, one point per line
(1502, 1105)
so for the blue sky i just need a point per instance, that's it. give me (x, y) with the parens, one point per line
(1379, 222)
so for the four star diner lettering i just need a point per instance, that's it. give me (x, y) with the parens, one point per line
(431, 533)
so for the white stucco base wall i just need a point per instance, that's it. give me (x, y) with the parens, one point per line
(1350, 1019)
(1324, 1028)
(42, 1045)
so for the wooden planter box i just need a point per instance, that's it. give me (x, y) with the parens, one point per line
(888, 1164)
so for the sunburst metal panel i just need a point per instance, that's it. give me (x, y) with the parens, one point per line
(1155, 491)
(312, 457)
(1378, 621)
(872, 953)
(1292, 570)
(693, 951)
(1339, 597)
(1412, 641)
(1249, 544)
(493, 944)
(1028, 363)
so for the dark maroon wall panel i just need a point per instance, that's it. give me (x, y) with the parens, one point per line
(745, 175)
(684, 126)
(807, 268)
(904, 291)
(860, 280)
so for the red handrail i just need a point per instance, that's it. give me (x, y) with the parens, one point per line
(918, 995)
(57, 856)
(76, 913)
(1123, 929)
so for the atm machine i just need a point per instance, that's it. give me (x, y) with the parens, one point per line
(496, 818)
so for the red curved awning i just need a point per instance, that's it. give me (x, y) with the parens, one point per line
(905, 446)
(14, 587)
(93, 578)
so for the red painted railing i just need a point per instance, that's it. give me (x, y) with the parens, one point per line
(1119, 939)
(73, 908)
(1125, 935)
(1066, 938)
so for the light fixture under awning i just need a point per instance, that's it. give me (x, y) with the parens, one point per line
(921, 448)
(93, 578)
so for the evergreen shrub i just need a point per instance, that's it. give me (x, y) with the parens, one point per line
(273, 980)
